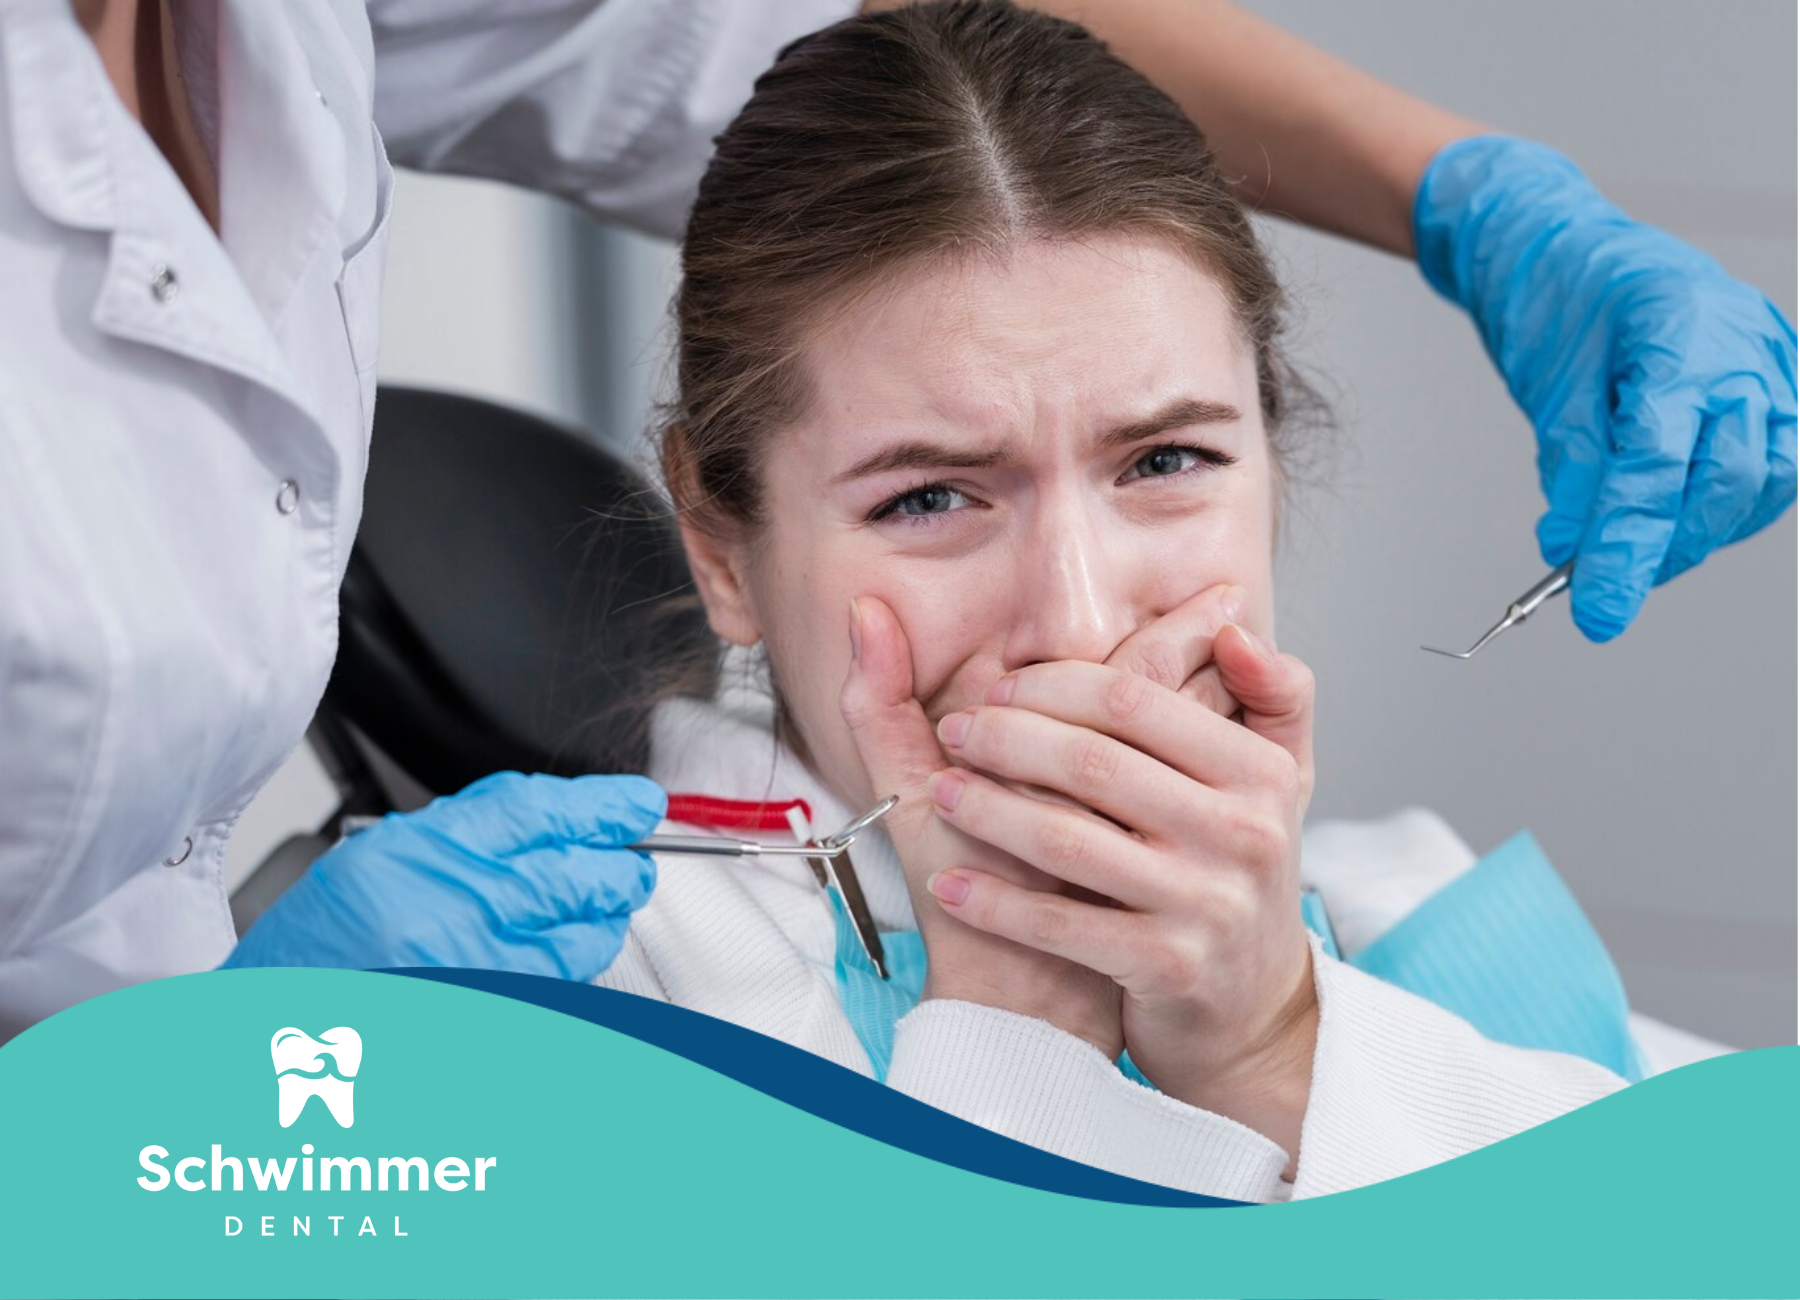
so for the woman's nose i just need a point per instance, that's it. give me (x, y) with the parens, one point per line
(1074, 594)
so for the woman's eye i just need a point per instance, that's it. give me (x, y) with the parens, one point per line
(1166, 462)
(932, 499)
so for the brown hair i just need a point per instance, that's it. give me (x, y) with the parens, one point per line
(888, 139)
(940, 129)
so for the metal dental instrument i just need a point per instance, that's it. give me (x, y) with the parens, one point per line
(1517, 612)
(722, 846)
(823, 856)
(840, 874)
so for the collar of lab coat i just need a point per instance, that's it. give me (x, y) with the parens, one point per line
(60, 146)
(83, 162)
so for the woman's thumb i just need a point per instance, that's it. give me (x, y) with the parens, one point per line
(1275, 690)
(896, 741)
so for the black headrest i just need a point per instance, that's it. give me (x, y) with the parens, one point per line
(514, 595)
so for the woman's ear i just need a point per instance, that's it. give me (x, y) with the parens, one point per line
(716, 574)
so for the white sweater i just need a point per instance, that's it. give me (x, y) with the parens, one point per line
(1398, 1083)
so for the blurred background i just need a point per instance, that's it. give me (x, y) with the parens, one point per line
(1658, 772)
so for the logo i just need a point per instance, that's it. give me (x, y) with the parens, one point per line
(302, 1072)
(325, 1067)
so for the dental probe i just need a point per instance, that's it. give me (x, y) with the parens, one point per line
(822, 856)
(718, 846)
(721, 846)
(1517, 612)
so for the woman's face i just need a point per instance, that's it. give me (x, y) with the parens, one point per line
(1026, 459)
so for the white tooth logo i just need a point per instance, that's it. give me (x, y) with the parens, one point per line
(301, 1074)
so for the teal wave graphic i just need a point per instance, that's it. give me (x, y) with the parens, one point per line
(625, 1168)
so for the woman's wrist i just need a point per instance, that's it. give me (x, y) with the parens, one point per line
(1265, 1086)
(1076, 1001)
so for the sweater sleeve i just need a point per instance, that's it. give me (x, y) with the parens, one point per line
(1400, 1084)
(1028, 1080)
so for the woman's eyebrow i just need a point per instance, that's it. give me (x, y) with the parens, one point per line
(922, 455)
(1182, 413)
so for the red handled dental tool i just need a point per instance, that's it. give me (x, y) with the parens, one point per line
(725, 846)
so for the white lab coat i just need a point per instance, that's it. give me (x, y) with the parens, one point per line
(184, 417)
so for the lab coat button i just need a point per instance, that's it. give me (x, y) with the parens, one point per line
(176, 859)
(163, 284)
(287, 499)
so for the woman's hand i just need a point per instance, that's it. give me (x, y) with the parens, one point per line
(897, 746)
(900, 751)
(1189, 861)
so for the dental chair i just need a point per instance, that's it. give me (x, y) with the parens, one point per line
(513, 589)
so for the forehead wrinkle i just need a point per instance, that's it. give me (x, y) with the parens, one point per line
(938, 350)
(945, 389)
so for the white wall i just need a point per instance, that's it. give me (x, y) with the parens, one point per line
(479, 295)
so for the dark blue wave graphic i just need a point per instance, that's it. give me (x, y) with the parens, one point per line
(820, 1087)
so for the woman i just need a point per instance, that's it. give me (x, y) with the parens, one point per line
(985, 354)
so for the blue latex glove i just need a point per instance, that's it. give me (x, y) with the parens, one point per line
(1662, 390)
(518, 873)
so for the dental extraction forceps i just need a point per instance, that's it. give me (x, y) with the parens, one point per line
(1517, 612)
(821, 855)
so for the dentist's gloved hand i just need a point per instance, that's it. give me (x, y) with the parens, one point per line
(1662, 389)
(517, 873)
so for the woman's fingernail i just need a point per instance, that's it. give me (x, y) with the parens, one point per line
(947, 790)
(855, 631)
(1256, 643)
(1001, 692)
(953, 728)
(1236, 601)
(948, 889)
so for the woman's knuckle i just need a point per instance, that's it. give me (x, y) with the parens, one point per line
(1126, 696)
(1046, 922)
(1096, 762)
(1261, 837)
(1062, 848)
(1273, 769)
(1232, 905)
(1173, 967)
(1163, 665)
